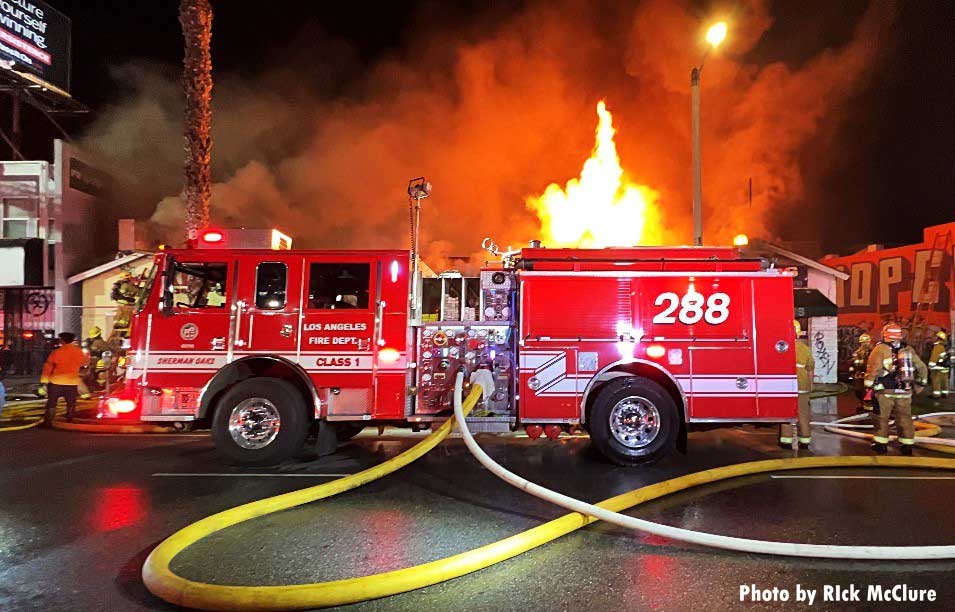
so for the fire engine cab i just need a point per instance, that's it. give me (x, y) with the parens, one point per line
(635, 345)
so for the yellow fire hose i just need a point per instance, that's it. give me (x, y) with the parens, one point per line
(30, 414)
(161, 581)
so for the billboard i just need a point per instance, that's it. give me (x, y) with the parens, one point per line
(35, 40)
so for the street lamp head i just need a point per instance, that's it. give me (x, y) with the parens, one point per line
(716, 34)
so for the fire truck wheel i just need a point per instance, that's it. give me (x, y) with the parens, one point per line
(634, 421)
(260, 421)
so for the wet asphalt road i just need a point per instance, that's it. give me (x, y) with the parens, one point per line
(79, 513)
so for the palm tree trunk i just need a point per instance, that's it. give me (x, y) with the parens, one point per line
(196, 19)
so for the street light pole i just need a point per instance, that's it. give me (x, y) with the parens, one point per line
(697, 164)
(714, 36)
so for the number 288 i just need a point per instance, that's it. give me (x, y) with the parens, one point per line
(693, 308)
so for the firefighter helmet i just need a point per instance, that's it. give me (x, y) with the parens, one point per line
(941, 335)
(892, 332)
(95, 331)
(865, 339)
(797, 327)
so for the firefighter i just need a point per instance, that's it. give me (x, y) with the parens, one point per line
(939, 363)
(892, 372)
(857, 370)
(215, 297)
(61, 375)
(95, 343)
(125, 289)
(805, 370)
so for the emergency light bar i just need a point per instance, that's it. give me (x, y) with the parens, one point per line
(212, 236)
(244, 239)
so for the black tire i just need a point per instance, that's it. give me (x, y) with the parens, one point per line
(347, 431)
(292, 428)
(638, 452)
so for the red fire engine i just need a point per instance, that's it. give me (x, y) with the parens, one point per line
(635, 345)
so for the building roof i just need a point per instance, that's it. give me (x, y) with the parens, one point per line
(812, 263)
(109, 265)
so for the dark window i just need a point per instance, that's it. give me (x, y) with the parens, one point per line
(338, 285)
(270, 286)
(430, 299)
(199, 285)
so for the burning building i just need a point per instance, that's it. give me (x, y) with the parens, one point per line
(602, 207)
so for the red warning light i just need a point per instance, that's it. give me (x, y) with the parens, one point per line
(212, 236)
(28, 335)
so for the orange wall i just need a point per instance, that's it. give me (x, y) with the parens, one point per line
(884, 285)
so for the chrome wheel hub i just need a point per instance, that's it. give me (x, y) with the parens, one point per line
(254, 423)
(634, 422)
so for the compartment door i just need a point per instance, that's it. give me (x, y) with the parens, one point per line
(338, 324)
(548, 382)
(722, 383)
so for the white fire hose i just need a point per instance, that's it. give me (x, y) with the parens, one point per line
(483, 378)
(844, 425)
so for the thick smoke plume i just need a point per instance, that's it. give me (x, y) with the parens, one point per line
(491, 116)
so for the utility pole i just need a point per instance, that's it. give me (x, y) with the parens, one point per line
(195, 16)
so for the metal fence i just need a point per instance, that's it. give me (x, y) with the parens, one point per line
(26, 330)
(81, 319)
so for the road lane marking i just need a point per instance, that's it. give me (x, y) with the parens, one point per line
(211, 474)
(836, 477)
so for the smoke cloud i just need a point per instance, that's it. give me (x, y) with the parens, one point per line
(491, 116)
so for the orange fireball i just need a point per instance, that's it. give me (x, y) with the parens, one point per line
(602, 207)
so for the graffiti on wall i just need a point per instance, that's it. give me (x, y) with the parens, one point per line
(848, 341)
(822, 337)
(825, 361)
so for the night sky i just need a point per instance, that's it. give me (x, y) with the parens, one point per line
(896, 174)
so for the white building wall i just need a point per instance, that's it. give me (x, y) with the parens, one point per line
(65, 216)
(823, 282)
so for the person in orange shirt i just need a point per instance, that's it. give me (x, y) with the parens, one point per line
(61, 375)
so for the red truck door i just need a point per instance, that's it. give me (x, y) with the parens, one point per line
(269, 305)
(775, 348)
(338, 326)
(190, 338)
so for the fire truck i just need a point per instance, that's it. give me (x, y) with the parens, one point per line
(637, 346)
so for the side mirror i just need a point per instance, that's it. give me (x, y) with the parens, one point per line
(166, 305)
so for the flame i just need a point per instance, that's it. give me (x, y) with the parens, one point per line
(601, 208)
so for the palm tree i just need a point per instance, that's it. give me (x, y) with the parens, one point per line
(196, 19)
